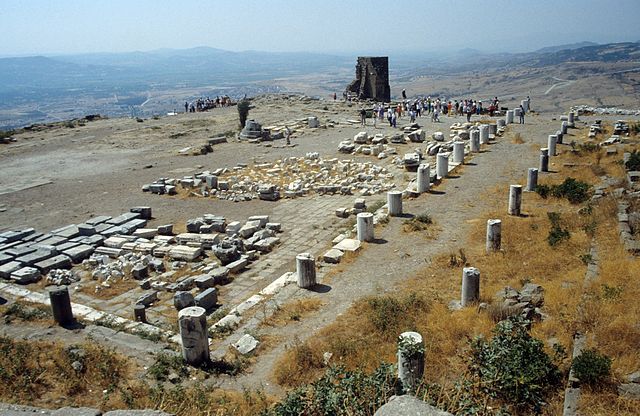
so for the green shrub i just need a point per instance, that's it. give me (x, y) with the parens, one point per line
(557, 234)
(513, 366)
(634, 161)
(6, 133)
(574, 190)
(543, 191)
(166, 364)
(592, 367)
(391, 315)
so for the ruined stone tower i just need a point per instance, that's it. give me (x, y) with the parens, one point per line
(372, 79)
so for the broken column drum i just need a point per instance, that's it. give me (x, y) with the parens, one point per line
(532, 179)
(544, 159)
(474, 141)
(424, 172)
(517, 112)
(306, 270)
(565, 125)
(515, 199)
(365, 226)
(525, 105)
(494, 235)
(571, 122)
(61, 306)
(501, 123)
(559, 135)
(394, 203)
(410, 360)
(470, 291)
(493, 129)
(458, 152)
(140, 312)
(484, 134)
(509, 116)
(193, 332)
(551, 144)
(442, 165)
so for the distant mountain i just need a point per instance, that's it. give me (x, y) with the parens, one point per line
(578, 45)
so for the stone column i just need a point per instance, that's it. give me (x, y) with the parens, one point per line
(193, 332)
(493, 129)
(470, 291)
(532, 179)
(458, 152)
(525, 105)
(474, 141)
(484, 133)
(365, 226)
(551, 144)
(559, 135)
(442, 165)
(494, 235)
(515, 199)
(501, 123)
(61, 306)
(394, 203)
(306, 270)
(516, 112)
(565, 125)
(509, 117)
(410, 360)
(544, 160)
(571, 122)
(140, 312)
(424, 177)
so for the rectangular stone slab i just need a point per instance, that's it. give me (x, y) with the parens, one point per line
(207, 299)
(79, 253)
(98, 220)
(124, 218)
(8, 268)
(57, 262)
(35, 257)
(26, 275)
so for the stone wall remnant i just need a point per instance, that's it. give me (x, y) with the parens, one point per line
(372, 79)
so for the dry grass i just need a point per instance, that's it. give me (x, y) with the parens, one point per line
(293, 311)
(517, 139)
(116, 288)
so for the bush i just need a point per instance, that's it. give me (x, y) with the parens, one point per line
(543, 191)
(513, 365)
(243, 112)
(634, 161)
(575, 191)
(557, 234)
(592, 367)
(4, 134)
(391, 315)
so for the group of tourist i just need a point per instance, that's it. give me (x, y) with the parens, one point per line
(429, 106)
(204, 104)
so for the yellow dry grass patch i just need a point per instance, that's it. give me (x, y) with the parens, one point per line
(293, 311)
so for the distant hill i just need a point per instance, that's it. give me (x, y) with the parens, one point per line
(578, 45)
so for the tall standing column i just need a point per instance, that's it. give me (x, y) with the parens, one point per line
(458, 152)
(525, 105)
(470, 291)
(364, 226)
(410, 360)
(544, 159)
(193, 331)
(61, 306)
(306, 270)
(571, 122)
(424, 177)
(494, 235)
(532, 179)
(394, 203)
(484, 133)
(474, 141)
(551, 144)
(565, 125)
(442, 165)
(509, 116)
(515, 199)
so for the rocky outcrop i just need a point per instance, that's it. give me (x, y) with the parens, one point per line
(372, 79)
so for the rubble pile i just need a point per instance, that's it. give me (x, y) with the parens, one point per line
(526, 302)
(290, 177)
(61, 277)
(586, 109)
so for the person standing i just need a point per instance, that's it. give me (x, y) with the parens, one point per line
(404, 94)
(287, 134)
(521, 114)
(363, 116)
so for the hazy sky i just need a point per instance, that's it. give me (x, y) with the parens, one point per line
(72, 26)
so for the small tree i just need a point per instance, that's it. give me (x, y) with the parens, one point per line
(591, 367)
(243, 112)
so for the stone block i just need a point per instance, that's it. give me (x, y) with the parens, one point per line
(246, 344)
(348, 244)
(71, 244)
(147, 233)
(204, 281)
(185, 253)
(238, 265)
(94, 240)
(35, 257)
(115, 242)
(233, 228)
(108, 251)
(219, 274)
(53, 240)
(98, 220)
(147, 298)
(145, 212)
(86, 229)
(140, 271)
(79, 253)
(26, 275)
(20, 250)
(166, 229)
(8, 268)
(274, 226)
(342, 213)
(266, 245)
(333, 256)
(207, 299)
(130, 226)
(57, 262)
(183, 300)
(5, 258)
(67, 232)
(263, 220)
(249, 229)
